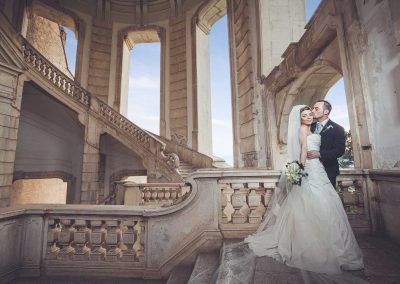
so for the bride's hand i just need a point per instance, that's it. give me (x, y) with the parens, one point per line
(313, 155)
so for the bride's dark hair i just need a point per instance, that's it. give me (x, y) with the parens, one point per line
(304, 108)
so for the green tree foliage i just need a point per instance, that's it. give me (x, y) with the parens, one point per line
(347, 160)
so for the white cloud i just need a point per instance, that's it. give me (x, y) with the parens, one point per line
(144, 82)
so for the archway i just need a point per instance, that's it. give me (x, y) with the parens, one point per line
(322, 80)
(135, 46)
(212, 127)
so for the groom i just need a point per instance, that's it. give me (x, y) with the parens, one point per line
(332, 140)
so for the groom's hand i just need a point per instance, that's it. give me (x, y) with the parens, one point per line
(313, 155)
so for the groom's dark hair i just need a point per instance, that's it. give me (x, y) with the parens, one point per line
(327, 105)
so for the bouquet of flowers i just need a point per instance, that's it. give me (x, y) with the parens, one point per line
(295, 172)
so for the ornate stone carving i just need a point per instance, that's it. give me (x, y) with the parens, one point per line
(250, 159)
(180, 139)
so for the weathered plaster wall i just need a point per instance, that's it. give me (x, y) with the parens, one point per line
(381, 70)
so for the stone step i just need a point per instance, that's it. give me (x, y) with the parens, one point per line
(82, 280)
(204, 268)
(180, 275)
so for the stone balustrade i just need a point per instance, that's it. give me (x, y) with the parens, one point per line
(53, 75)
(151, 194)
(95, 240)
(168, 162)
(125, 124)
(352, 190)
(244, 202)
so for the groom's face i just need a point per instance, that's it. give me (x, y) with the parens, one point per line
(318, 110)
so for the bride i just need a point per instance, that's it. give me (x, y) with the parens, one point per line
(306, 226)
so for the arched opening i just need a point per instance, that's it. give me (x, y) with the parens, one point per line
(50, 141)
(54, 34)
(141, 84)
(39, 191)
(322, 81)
(212, 120)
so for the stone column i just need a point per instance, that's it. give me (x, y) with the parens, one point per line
(90, 189)
(258, 37)
(11, 87)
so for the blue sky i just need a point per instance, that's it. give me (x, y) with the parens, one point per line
(144, 86)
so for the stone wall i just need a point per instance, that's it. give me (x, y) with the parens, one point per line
(380, 68)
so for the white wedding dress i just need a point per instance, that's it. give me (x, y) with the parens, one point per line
(311, 230)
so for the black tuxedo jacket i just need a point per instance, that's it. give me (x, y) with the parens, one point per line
(332, 146)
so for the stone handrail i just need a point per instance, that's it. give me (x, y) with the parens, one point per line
(124, 124)
(72, 89)
(56, 77)
(195, 158)
(150, 194)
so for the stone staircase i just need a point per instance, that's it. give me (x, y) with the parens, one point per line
(185, 169)
(202, 272)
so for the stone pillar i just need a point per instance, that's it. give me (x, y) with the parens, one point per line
(100, 59)
(255, 49)
(178, 100)
(90, 191)
(11, 87)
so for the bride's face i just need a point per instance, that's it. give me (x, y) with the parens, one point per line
(306, 117)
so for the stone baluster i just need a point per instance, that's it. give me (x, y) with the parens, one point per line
(66, 239)
(127, 240)
(53, 235)
(139, 244)
(81, 239)
(239, 203)
(255, 203)
(112, 240)
(226, 203)
(97, 240)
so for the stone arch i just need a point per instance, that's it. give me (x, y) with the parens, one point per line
(61, 16)
(206, 15)
(312, 85)
(127, 38)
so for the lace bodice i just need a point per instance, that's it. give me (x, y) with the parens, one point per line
(313, 142)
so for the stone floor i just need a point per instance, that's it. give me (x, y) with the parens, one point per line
(381, 260)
